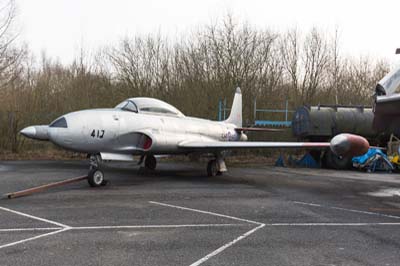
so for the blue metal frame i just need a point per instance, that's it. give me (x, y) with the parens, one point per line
(223, 110)
(271, 123)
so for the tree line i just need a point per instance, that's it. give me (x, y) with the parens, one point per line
(192, 72)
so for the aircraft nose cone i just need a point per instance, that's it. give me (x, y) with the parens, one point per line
(29, 132)
(36, 132)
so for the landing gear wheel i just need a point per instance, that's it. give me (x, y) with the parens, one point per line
(96, 178)
(150, 162)
(212, 168)
(332, 161)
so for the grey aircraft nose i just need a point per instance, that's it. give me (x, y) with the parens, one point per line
(29, 132)
(36, 132)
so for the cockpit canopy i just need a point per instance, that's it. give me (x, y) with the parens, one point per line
(391, 82)
(148, 105)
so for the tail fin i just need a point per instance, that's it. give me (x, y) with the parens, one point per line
(235, 116)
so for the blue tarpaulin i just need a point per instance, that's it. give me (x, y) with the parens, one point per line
(373, 160)
(364, 158)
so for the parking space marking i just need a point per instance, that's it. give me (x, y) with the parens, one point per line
(152, 226)
(63, 228)
(347, 210)
(332, 224)
(34, 238)
(227, 245)
(205, 212)
(30, 229)
(34, 217)
(60, 229)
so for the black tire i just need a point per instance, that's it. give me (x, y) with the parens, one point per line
(212, 169)
(150, 162)
(316, 154)
(332, 161)
(96, 178)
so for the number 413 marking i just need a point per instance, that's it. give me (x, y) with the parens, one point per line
(97, 133)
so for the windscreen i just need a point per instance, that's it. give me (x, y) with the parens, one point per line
(127, 106)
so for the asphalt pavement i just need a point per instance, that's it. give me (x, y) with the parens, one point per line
(175, 215)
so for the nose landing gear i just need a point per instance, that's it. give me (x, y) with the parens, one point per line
(96, 176)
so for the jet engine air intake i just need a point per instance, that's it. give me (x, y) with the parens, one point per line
(145, 142)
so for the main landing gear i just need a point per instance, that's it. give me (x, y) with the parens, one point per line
(150, 162)
(96, 176)
(216, 166)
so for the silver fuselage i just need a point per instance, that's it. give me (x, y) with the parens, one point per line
(117, 131)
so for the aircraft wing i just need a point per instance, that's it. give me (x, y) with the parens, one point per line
(342, 144)
(226, 145)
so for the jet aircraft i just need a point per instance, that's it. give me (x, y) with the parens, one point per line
(148, 127)
(386, 104)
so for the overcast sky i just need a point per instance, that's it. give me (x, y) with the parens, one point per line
(60, 26)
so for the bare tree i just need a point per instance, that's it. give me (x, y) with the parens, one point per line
(315, 60)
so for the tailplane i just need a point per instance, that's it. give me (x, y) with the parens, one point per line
(235, 116)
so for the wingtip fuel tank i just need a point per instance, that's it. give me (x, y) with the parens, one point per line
(349, 145)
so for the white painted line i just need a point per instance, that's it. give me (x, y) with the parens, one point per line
(200, 261)
(152, 226)
(189, 226)
(348, 210)
(30, 229)
(366, 212)
(227, 245)
(308, 204)
(332, 224)
(63, 227)
(34, 217)
(219, 250)
(205, 212)
(34, 238)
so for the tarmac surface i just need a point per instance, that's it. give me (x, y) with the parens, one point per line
(253, 215)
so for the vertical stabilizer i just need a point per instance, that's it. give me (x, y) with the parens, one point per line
(235, 116)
